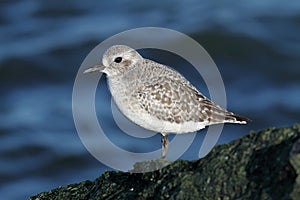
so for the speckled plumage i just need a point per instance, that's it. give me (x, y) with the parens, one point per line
(157, 97)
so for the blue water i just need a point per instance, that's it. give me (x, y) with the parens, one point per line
(255, 44)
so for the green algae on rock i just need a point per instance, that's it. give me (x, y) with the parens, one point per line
(261, 165)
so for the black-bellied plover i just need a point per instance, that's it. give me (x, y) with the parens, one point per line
(157, 97)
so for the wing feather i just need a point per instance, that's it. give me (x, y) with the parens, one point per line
(173, 98)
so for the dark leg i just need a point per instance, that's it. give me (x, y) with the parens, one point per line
(165, 145)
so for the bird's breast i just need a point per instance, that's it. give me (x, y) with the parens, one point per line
(122, 93)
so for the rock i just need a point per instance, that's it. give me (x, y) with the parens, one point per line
(261, 165)
(150, 165)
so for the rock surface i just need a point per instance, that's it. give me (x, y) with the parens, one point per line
(261, 165)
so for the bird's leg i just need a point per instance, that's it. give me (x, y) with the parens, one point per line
(165, 145)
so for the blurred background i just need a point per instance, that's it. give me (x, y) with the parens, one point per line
(255, 44)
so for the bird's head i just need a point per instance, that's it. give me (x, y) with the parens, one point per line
(117, 60)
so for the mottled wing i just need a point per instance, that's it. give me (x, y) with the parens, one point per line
(177, 102)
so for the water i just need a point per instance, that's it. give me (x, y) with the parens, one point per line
(256, 46)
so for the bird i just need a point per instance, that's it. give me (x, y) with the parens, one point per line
(156, 97)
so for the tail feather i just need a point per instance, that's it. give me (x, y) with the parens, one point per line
(235, 118)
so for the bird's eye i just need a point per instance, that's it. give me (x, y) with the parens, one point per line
(118, 59)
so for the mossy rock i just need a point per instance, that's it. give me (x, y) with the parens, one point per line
(261, 165)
